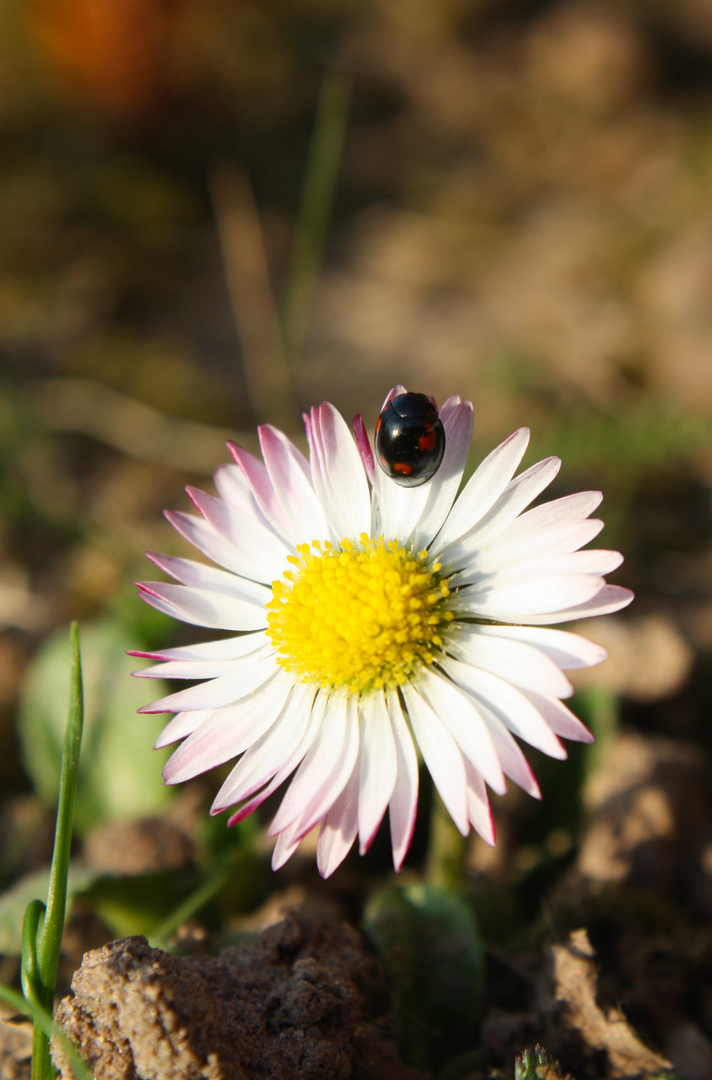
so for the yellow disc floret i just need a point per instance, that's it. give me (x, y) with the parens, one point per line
(361, 616)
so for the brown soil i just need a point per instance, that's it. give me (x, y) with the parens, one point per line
(299, 1000)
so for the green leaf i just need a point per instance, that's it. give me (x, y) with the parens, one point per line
(429, 943)
(120, 777)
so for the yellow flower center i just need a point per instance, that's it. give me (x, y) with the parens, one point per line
(363, 616)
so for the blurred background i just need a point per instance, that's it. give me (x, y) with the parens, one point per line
(218, 212)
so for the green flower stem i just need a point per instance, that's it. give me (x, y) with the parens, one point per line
(44, 1023)
(43, 924)
(314, 210)
(445, 862)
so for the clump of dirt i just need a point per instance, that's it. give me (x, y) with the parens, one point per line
(15, 1049)
(568, 1019)
(299, 999)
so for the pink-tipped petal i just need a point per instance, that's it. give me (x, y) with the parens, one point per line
(228, 732)
(290, 474)
(441, 755)
(339, 828)
(513, 707)
(246, 676)
(323, 773)
(364, 447)
(337, 466)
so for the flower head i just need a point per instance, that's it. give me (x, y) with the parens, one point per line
(369, 623)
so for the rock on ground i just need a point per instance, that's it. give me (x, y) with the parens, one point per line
(301, 999)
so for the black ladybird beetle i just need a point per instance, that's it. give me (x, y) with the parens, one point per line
(410, 439)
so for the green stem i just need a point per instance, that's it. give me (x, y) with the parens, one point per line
(445, 862)
(43, 925)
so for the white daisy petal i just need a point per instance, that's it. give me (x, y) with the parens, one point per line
(203, 608)
(565, 649)
(181, 725)
(198, 669)
(268, 754)
(292, 760)
(516, 496)
(449, 405)
(338, 473)
(339, 828)
(560, 718)
(516, 546)
(444, 485)
(246, 676)
(264, 566)
(260, 548)
(234, 487)
(528, 596)
(223, 649)
(364, 449)
(378, 767)
(265, 495)
(201, 576)
(287, 844)
(323, 773)
(611, 598)
(483, 489)
(208, 651)
(291, 477)
(442, 756)
(562, 511)
(228, 731)
(464, 722)
(404, 802)
(370, 620)
(595, 562)
(400, 508)
(514, 763)
(478, 807)
(520, 663)
(514, 708)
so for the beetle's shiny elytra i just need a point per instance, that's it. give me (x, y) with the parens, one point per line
(410, 439)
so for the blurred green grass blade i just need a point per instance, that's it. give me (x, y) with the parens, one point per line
(314, 210)
(44, 1023)
(193, 903)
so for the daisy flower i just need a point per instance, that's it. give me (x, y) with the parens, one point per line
(369, 625)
